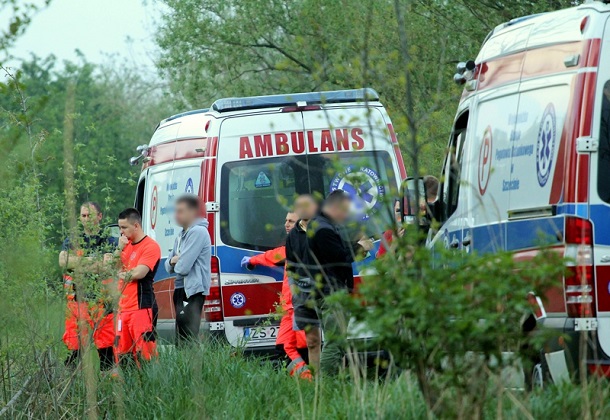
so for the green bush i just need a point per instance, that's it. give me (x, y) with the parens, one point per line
(454, 319)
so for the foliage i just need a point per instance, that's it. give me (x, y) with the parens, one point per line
(26, 262)
(19, 16)
(216, 383)
(454, 319)
(115, 110)
(213, 48)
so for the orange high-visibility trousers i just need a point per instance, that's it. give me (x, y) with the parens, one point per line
(81, 320)
(135, 335)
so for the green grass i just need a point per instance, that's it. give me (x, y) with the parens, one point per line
(216, 382)
(213, 382)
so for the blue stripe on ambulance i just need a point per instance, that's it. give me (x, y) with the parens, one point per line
(230, 262)
(518, 235)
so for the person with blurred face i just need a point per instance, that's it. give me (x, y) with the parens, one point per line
(327, 269)
(140, 256)
(190, 260)
(274, 257)
(87, 310)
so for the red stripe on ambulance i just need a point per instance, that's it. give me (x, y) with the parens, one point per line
(535, 63)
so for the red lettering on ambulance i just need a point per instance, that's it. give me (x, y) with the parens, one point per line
(327, 142)
(245, 150)
(312, 147)
(298, 142)
(358, 142)
(342, 139)
(263, 146)
(281, 144)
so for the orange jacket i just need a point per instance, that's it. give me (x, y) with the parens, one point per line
(273, 258)
(386, 242)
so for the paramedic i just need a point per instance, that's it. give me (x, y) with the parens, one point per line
(190, 260)
(288, 342)
(294, 342)
(329, 270)
(84, 259)
(274, 257)
(140, 255)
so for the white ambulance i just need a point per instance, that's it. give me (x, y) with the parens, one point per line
(247, 159)
(529, 162)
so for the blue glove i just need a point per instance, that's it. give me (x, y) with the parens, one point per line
(245, 261)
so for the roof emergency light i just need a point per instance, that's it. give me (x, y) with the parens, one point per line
(299, 99)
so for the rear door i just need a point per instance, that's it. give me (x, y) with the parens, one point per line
(600, 193)
(157, 222)
(261, 168)
(184, 177)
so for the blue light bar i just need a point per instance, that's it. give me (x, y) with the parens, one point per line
(311, 98)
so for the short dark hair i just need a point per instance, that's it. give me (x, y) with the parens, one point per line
(93, 204)
(431, 184)
(337, 197)
(190, 200)
(131, 214)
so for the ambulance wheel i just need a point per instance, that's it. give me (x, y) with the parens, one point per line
(541, 377)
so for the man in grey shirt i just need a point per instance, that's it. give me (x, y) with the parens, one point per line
(189, 260)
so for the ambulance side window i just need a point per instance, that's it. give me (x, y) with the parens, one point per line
(453, 167)
(603, 172)
(139, 204)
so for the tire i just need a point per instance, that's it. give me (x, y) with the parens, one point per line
(540, 376)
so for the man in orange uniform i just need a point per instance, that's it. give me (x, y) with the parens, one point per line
(306, 208)
(87, 311)
(140, 256)
(288, 341)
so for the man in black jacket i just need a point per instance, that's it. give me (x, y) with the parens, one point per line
(329, 270)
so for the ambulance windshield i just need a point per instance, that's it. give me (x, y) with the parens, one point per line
(256, 194)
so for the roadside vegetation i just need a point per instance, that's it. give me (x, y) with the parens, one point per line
(427, 316)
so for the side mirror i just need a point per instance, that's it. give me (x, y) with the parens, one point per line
(413, 190)
(113, 231)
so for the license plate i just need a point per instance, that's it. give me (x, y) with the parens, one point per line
(261, 333)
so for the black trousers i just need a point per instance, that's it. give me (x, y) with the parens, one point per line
(188, 315)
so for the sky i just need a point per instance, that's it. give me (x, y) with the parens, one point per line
(95, 27)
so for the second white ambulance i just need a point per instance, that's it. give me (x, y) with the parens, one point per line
(529, 162)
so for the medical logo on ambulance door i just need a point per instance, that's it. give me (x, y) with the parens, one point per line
(545, 147)
(363, 185)
(484, 168)
(238, 300)
(190, 188)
